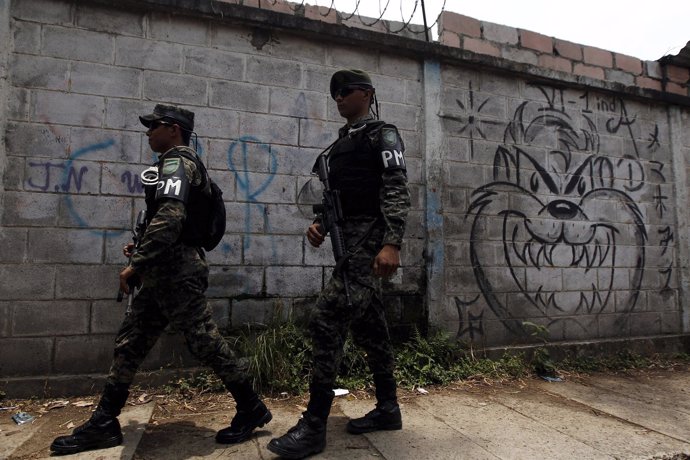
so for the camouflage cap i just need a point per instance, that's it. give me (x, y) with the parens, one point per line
(181, 116)
(349, 77)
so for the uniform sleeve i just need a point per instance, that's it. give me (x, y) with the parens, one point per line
(162, 232)
(395, 204)
(165, 227)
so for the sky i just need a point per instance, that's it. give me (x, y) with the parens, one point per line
(616, 25)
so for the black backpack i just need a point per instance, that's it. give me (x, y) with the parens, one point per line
(205, 223)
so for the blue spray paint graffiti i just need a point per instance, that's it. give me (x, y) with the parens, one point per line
(250, 191)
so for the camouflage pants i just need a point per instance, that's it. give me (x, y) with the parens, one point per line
(333, 319)
(181, 304)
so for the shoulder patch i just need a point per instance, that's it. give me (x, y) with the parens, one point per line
(170, 165)
(390, 137)
(392, 148)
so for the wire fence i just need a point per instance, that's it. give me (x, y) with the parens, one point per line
(396, 16)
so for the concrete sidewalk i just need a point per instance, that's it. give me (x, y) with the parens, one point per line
(639, 416)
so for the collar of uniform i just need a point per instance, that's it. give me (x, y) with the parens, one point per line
(354, 125)
(177, 147)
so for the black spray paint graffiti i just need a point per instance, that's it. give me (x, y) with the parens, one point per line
(564, 211)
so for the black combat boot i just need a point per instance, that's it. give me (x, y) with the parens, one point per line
(246, 420)
(251, 413)
(102, 430)
(386, 415)
(306, 438)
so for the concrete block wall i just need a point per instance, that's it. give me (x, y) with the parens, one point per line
(548, 180)
(79, 76)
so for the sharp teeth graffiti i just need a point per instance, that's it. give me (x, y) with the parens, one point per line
(557, 230)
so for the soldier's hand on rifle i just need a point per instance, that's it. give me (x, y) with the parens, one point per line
(387, 261)
(126, 280)
(128, 249)
(314, 235)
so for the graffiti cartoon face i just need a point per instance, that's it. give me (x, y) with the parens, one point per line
(561, 224)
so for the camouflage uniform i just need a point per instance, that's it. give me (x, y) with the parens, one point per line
(365, 319)
(175, 278)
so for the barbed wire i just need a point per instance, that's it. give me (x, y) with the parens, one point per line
(367, 21)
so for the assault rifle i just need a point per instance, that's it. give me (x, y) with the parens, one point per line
(133, 281)
(331, 213)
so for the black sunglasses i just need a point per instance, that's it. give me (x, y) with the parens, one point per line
(156, 124)
(347, 90)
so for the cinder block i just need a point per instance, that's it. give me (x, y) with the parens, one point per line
(107, 315)
(87, 212)
(67, 108)
(567, 50)
(52, 318)
(678, 74)
(271, 71)
(114, 20)
(13, 178)
(269, 128)
(27, 282)
(400, 67)
(29, 209)
(619, 76)
(45, 11)
(251, 312)
(596, 56)
(105, 80)
(293, 281)
(233, 37)
(317, 78)
(628, 63)
(272, 250)
(109, 145)
(37, 140)
(345, 57)
(480, 46)
(18, 104)
(520, 55)
(5, 319)
(228, 252)
(181, 89)
(653, 69)
(148, 54)
(239, 96)
(244, 155)
(221, 313)
(500, 33)
(216, 123)
(124, 114)
(536, 41)
(648, 83)
(230, 281)
(588, 71)
(459, 24)
(555, 63)
(12, 245)
(77, 44)
(87, 282)
(414, 92)
(26, 37)
(316, 133)
(301, 104)
(177, 28)
(645, 324)
(75, 246)
(24, 357)
(210, 62)
(449, 38)
(83, 354)
(245, 217)
(39, 72)
(288, 219)
(226, 181)
(299, 49)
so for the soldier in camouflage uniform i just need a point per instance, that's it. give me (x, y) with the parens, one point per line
(174, 277)
(367, 166)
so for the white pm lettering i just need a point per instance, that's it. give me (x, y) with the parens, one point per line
(394, 155)
(176, 185)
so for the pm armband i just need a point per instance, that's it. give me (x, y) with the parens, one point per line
(392, 148)
(172, 180)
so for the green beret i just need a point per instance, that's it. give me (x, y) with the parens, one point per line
(349, 77)
(181, 116)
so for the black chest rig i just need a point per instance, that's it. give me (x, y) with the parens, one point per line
(355, 169)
